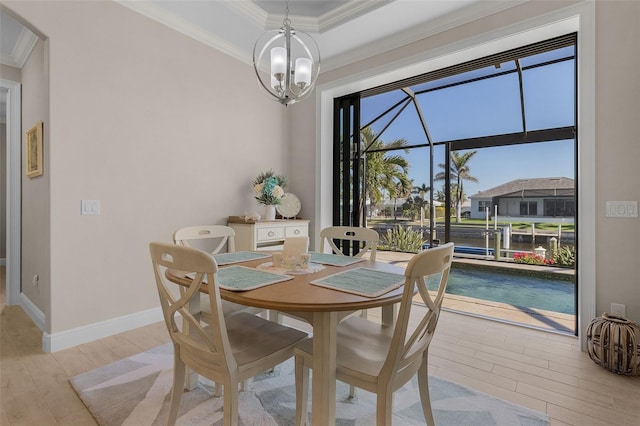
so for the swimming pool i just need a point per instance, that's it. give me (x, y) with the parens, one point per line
(513, 289)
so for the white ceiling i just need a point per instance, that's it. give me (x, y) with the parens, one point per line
(345, 30)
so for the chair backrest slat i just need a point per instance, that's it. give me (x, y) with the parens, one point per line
(225, 234)
(410, 342)
(210, 344)
(366, 238)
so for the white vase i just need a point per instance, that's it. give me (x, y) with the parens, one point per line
(269, 212)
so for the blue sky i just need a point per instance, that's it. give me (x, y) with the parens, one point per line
(488, 107)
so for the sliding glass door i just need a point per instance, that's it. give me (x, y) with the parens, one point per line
(482, 154)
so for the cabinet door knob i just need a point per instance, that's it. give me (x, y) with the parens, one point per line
(271, 233)
(297, 231)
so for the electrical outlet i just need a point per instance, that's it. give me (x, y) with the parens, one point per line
(621, 209)
(90, 207)
(618, 310)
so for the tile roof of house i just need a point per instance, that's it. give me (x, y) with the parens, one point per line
(530, 187)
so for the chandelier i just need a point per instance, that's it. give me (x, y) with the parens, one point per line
(286, 62)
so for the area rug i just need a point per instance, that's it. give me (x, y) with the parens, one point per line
(135, 391)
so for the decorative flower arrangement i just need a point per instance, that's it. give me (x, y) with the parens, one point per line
(269, 187)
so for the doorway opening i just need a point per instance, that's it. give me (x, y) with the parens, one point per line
(482, 153)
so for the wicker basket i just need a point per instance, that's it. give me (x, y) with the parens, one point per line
(614, 343)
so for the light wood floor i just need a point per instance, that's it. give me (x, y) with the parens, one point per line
(540, 370)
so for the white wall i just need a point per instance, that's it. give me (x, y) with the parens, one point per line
(35, 241)
(163, 130)
(12, 74)
(617, 153)
(3, 188)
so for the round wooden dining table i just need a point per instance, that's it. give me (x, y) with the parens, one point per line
(321, 307)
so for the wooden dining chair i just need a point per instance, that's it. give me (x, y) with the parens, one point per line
(382, 358)
(365, 239)
(227, 350)
(213, 238)
(364, 243)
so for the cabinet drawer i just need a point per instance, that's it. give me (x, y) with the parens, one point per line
(297, 231)
(270, 234)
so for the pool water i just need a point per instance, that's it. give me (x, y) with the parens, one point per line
(513, 289)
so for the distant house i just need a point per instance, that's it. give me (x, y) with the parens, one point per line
(541, 197)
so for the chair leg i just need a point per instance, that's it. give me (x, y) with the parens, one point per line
(352, 392)
(423, 385)
(302, 391)
(384, 407)
(230, 405)
(179, 370)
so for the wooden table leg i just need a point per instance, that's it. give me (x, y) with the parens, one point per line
(324, 368)
(389, 313)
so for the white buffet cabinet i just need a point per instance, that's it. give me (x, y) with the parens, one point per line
(266, 235)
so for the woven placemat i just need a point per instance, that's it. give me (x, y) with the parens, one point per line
(334, 259)
(237, 257)
(242, 278)
(362, 281)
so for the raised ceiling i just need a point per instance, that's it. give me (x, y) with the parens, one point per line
(345, 30)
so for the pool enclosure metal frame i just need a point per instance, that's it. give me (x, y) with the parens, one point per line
(349, 156)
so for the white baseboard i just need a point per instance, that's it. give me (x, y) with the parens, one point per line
(36, 315)
(88, 333)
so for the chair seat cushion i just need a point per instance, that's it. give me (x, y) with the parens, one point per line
(362, 347)
(253, 338)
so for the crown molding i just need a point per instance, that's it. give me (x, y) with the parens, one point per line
(250, 10)
(331, 19)
(419, 32)
(185, 27)
(348, 12)
(22, 49)
(340, 15)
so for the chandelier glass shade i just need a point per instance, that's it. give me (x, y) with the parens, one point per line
(287, 63)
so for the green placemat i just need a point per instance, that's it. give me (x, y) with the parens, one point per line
(237, 257)
(334, 259)
(242, 278)
(362, 281)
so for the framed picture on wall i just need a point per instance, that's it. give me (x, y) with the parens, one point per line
(34, 150)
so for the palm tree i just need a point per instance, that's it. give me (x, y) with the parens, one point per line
(384, 171)
(400, 190)
(459, 171)
(422, 190)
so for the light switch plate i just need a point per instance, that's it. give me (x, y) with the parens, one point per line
(89, 207)
(621, 209)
